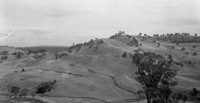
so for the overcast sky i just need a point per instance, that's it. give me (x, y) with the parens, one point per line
(63, 22)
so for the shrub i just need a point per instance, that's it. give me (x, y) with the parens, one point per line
(18, 55)
(32, 94)
(124, 55)
(4, 53)
(194, 92)
(5, 57)
(189, 62)
(178, 98)
(194, 46)
(158, 44)
(195, 53)
(15, 90)
(95, 48)
(45, 87)
(69, 51)
(183, 49)
(71, 64)
(24, 92)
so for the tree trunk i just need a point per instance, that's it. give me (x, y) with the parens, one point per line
(148, 98)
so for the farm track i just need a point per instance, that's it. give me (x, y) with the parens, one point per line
(97, 99)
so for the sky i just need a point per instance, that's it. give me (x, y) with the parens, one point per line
(64, 22)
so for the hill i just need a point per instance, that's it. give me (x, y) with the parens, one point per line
(95, 71)
(48, 48)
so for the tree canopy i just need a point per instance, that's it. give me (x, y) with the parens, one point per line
(156, 74)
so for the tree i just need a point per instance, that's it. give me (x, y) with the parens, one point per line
(4, 52)
(45, 87)
(173, 47)
(194, 46)
(124, 55)
(15, 90)
(158, 45)
(24, 92)
(189, 62)
(56, 55)
(195, 53)
(155, 73)
(178, 98)
(29, 52)
(32, 94)
(183, 49)
(4, 57)
(194, 92)
(18, 55)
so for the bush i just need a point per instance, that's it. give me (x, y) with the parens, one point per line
(4, 53)
(189, 62)
(69, 51)
(71, 64)
(178, 98)
(194, 92)
(45, 87)
(5, 57)
(158, 44)
(15, 90)
(24, 92)
(183, 49)
(195, 53)
(124, 55)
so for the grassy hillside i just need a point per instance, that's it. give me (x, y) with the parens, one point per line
(48, 48)
(95, 71)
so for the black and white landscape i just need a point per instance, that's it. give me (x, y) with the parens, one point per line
(99, 51)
